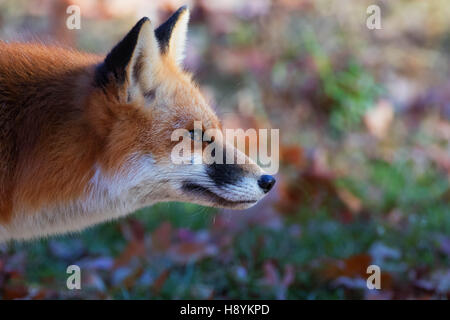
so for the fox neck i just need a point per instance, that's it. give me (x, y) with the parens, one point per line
(107, 198)
(55, 148)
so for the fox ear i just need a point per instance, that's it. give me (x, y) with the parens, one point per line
(130, 61)
(171, 35)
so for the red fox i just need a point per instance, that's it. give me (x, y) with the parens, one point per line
(85, 139)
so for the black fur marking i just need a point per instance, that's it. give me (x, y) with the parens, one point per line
(118, 59)
(164, 31)
(223, 173)
(199, 190)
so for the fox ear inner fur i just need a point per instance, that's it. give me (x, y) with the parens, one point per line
(142, 47)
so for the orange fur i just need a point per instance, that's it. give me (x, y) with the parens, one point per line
(58, 126)
(47, 148)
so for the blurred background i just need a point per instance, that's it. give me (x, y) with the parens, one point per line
(365, 156)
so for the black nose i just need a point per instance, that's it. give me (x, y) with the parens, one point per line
(266, 182)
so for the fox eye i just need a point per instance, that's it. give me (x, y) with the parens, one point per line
(196, 135)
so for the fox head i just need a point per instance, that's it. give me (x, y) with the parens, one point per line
(141, 96)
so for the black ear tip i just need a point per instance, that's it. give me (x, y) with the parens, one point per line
(117, 60)
(183, 8)
(142, 21)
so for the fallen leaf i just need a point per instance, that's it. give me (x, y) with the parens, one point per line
(378, 119)
(162, 237)
(350, 200)
(159, 282)
(191, 251)
(293, 155)
(133, 249)
(350, 267)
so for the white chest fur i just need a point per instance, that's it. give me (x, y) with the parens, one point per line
(108, 197)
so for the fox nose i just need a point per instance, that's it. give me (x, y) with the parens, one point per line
(266, 182)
